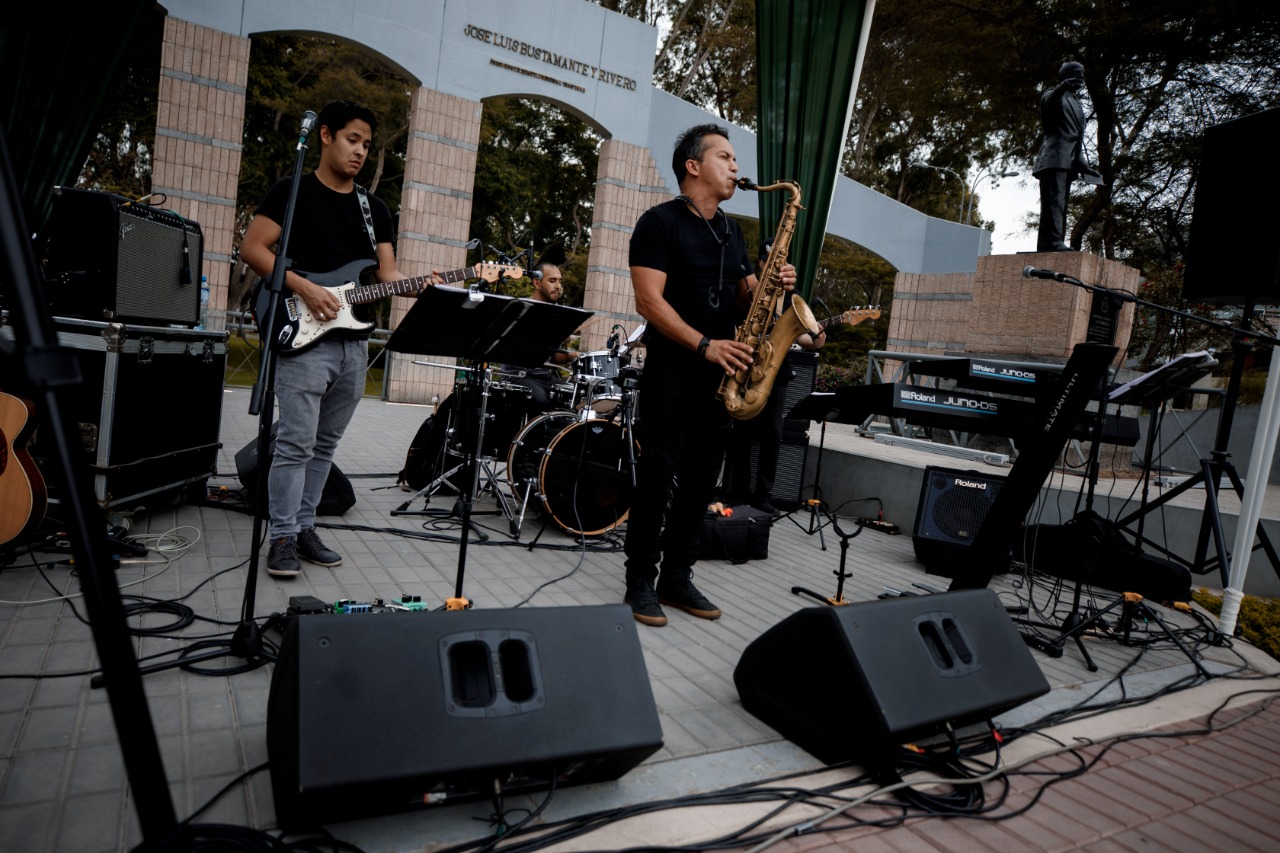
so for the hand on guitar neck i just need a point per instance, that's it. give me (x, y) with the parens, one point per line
(304, 318)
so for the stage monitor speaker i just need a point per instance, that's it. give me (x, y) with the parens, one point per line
(953, 504)
(338, 495)
(110, 258)
(1232, 254)
(854, 682)
(370, 714)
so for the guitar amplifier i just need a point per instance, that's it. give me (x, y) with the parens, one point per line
(953, 505)
(113, 259)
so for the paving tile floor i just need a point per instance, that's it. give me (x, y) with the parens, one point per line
(62, 779)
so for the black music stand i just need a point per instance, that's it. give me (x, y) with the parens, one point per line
(482, 327)
(815, 407)
(1159, 386)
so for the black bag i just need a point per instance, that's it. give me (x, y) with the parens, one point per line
(736, 538)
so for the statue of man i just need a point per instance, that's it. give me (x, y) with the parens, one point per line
(1061, 157)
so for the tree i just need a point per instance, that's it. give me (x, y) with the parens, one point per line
(120, 160)
(535, 184)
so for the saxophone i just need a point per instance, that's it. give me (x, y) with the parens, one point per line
(746, 391)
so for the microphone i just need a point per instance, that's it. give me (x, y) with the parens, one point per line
(612, 343)
(472, 244)
(1036, 272)
(309, 120)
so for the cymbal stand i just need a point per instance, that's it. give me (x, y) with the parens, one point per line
(450, 428)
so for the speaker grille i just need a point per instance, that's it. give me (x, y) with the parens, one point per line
(953, 504)
(149, 268)
(110, 258)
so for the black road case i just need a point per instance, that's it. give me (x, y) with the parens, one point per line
(149, 406)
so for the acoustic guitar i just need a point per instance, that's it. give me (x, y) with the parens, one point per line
(22, 493)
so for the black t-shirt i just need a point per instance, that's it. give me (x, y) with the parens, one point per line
(704, 261)
(328, 227)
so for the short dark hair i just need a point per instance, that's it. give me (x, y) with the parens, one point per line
(689, 146)
(338, 114)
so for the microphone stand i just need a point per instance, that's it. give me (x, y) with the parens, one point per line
(246, 642)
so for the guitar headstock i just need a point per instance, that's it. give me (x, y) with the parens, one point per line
(493, 272)
(854, 316)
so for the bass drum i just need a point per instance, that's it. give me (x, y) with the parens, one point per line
(580, 468)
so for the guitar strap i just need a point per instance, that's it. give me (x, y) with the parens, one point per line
(368, 217)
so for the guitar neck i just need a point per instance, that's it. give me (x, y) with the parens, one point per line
(377, 290)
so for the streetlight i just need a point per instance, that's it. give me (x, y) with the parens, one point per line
(994, 177)
(953, 173)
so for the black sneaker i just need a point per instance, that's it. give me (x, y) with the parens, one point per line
(683, 595)
(644, 604)
(282, 559)
(311, 549)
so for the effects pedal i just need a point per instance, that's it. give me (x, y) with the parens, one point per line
(876, 524)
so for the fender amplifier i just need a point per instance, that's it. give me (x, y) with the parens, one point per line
(113, 259)
(953, 505)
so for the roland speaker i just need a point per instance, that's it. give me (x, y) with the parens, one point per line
(953, 505)
(854, 682)
(111, 259)
(375, 713)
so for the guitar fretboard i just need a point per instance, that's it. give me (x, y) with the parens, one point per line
(377, 290)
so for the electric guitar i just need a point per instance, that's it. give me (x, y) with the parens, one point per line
(296, 329)
(853, 317)
(22, 494)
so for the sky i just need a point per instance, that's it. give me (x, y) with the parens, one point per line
(1008, 205)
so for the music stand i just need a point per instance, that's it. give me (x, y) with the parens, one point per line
(1175, 377)
(482, 327)
(817, 406)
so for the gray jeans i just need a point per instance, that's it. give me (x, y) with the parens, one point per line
(317, 391)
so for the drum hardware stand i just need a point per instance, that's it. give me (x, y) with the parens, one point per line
(450, 429)
(482, 328)
(840, 574)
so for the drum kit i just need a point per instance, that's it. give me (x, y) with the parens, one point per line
(575, 464)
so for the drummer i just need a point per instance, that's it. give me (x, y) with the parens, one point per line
(540, 380)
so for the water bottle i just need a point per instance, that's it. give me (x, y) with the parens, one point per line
(204, 302)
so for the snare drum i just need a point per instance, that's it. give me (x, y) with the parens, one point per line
(596, 375)
(580, 468)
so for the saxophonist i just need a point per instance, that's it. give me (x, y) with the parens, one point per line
(693, 281)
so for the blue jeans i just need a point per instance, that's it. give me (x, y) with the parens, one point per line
(317, 391)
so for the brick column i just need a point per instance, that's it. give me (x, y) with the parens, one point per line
(435, 220)
(627, 184)
(1014, 317)
(199, 125)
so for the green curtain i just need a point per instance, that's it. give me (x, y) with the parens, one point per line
(809, 53)
(60, 62)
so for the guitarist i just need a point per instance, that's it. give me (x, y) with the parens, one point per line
(765, 427)
(335, 222)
